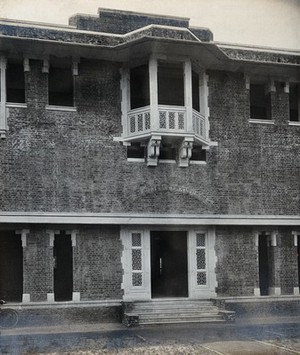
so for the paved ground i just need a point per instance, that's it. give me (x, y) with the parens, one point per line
(274, 336)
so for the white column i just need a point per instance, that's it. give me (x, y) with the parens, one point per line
(125, 104)
(204, 108)
(153, 87)
(188, 94)
(3, 116)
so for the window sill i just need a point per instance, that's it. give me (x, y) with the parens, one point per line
(254, 120)
(16, 105)
(197, 162)
(294, 123)
(61, 108)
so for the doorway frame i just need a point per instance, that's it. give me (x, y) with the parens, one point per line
(143, 292)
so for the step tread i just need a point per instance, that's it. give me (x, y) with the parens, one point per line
(171, 316)
(172, 321)
(180, 311)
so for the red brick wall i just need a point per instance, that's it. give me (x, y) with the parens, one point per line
(68, 161)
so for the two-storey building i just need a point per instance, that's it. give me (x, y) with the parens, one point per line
(140, 160)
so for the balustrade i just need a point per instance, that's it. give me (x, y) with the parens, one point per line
(171, 119)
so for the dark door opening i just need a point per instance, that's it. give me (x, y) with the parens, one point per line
(263, 261)
(63, 268)
(11, 267)
(298, 253)
(169, 269)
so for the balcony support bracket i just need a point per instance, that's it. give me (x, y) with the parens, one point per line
(153, 149)
(185, 152)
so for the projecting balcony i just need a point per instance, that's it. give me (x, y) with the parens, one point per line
(166, 121)
(165, 104)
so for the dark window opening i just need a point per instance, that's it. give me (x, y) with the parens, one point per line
(263, 261)
(135, 151)
(167, 152)
(15, 83)
(195, 91)
(139, 87)
(198, 153)
(260, 102)
(11, 267)
(61, 86)
(63, 267)
(294, 103)
(170, 84)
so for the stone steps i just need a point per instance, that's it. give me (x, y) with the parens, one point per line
(172, 311)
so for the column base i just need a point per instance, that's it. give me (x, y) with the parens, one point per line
(275, 291)
(256, 291)
(76, 296)
(50, 297)
(26, 298)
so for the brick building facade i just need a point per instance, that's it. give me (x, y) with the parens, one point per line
(130, 141)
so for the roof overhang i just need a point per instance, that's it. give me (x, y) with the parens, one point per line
(206, 55)
(144, 219)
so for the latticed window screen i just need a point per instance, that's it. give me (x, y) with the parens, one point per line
(180, 120)
(162, 119)
(147, 120)
(201, 262)
(136, 259)
(132, 124)
(140, 122)
(172, 120)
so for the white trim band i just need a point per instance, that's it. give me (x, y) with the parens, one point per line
(146, 219)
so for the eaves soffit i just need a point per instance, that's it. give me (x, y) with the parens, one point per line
(46, 40)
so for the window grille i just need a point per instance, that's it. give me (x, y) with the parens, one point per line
(140, 122)
(162, 119)
(180, 120)
(201, 262)
(147, 120)
(132, 124)
(136, 259)
(172, 120)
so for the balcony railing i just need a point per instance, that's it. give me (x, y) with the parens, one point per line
(171, 119)
(199, 124)
(139, 121)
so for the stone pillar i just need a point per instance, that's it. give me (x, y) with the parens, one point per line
(50, 293)
(3, 111)
(256, 280)
(76, 291)
(26, 288)
(274, 264)
(294, 257)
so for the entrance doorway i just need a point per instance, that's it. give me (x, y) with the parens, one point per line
(11, 267)
(63, 268)
(263, 261)
(169, 267)
(298, 253)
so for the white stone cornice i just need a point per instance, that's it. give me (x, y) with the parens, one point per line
(146, 219)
